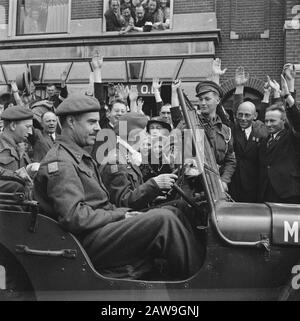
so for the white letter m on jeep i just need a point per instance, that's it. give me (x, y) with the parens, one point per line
(292, 231)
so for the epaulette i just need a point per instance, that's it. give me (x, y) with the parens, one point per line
(227, 131)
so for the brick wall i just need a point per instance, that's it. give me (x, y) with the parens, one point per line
(260, 57)
(91, 9)
(192, 6)
(246, 22)
(87, 9)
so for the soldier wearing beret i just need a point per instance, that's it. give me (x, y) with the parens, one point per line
(13, 160)
(209, 94)
(69, 188)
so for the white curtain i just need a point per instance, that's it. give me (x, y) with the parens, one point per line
(58, 16)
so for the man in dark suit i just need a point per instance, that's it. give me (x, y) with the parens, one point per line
(53, 95)
(141, 20)
(279, 174)
(44, 139)
(114, 20)
(247, 133)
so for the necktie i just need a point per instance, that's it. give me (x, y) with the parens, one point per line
(244, 137)
(270, 141)
(51, 137)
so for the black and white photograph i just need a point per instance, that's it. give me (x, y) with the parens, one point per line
(149, 153)
(124, 16)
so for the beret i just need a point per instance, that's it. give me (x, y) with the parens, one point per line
(17, 113)
(5, 98)
(77, 104)
(207, 86)
(159, 120)
(134, 121)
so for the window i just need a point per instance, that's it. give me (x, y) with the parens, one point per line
(127, 16)
(42, 17)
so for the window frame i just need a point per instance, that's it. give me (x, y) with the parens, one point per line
(13, 19)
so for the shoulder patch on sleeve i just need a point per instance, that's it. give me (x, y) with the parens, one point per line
(52, 168)
(114, 168)
(6, 159)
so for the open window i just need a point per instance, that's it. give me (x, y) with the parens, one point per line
(148, 15)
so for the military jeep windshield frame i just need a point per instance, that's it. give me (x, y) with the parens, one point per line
(209, 168)
(210, 174)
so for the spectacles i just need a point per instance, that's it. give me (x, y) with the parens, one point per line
(246, 116)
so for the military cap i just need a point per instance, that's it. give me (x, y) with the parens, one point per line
(159, 120)
(16, 113)
(207, 86)
(133, 120)
(77, 104)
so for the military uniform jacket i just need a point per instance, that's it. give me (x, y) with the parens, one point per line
(280, 163)
(244, 185)
(124, 182)
(9, 155)
(220, 138)
(10, 160)
(69, 189)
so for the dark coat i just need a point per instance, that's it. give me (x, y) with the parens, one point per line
(58, 99)
(280, 163)
(104, 138)
(244, 184)
(112, 22)
(42, 143)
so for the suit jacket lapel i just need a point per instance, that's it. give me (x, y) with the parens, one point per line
(277, 139)
(48, 140)
(240, 138)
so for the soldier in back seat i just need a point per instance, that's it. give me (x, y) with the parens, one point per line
(14, 162)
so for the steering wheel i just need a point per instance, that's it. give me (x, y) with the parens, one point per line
(179, 190)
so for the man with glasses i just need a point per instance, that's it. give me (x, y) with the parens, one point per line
(247, 135)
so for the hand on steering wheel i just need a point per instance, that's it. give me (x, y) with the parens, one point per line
(165, 181)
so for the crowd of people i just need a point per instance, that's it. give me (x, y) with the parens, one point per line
(137, 15)
(105, 170)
